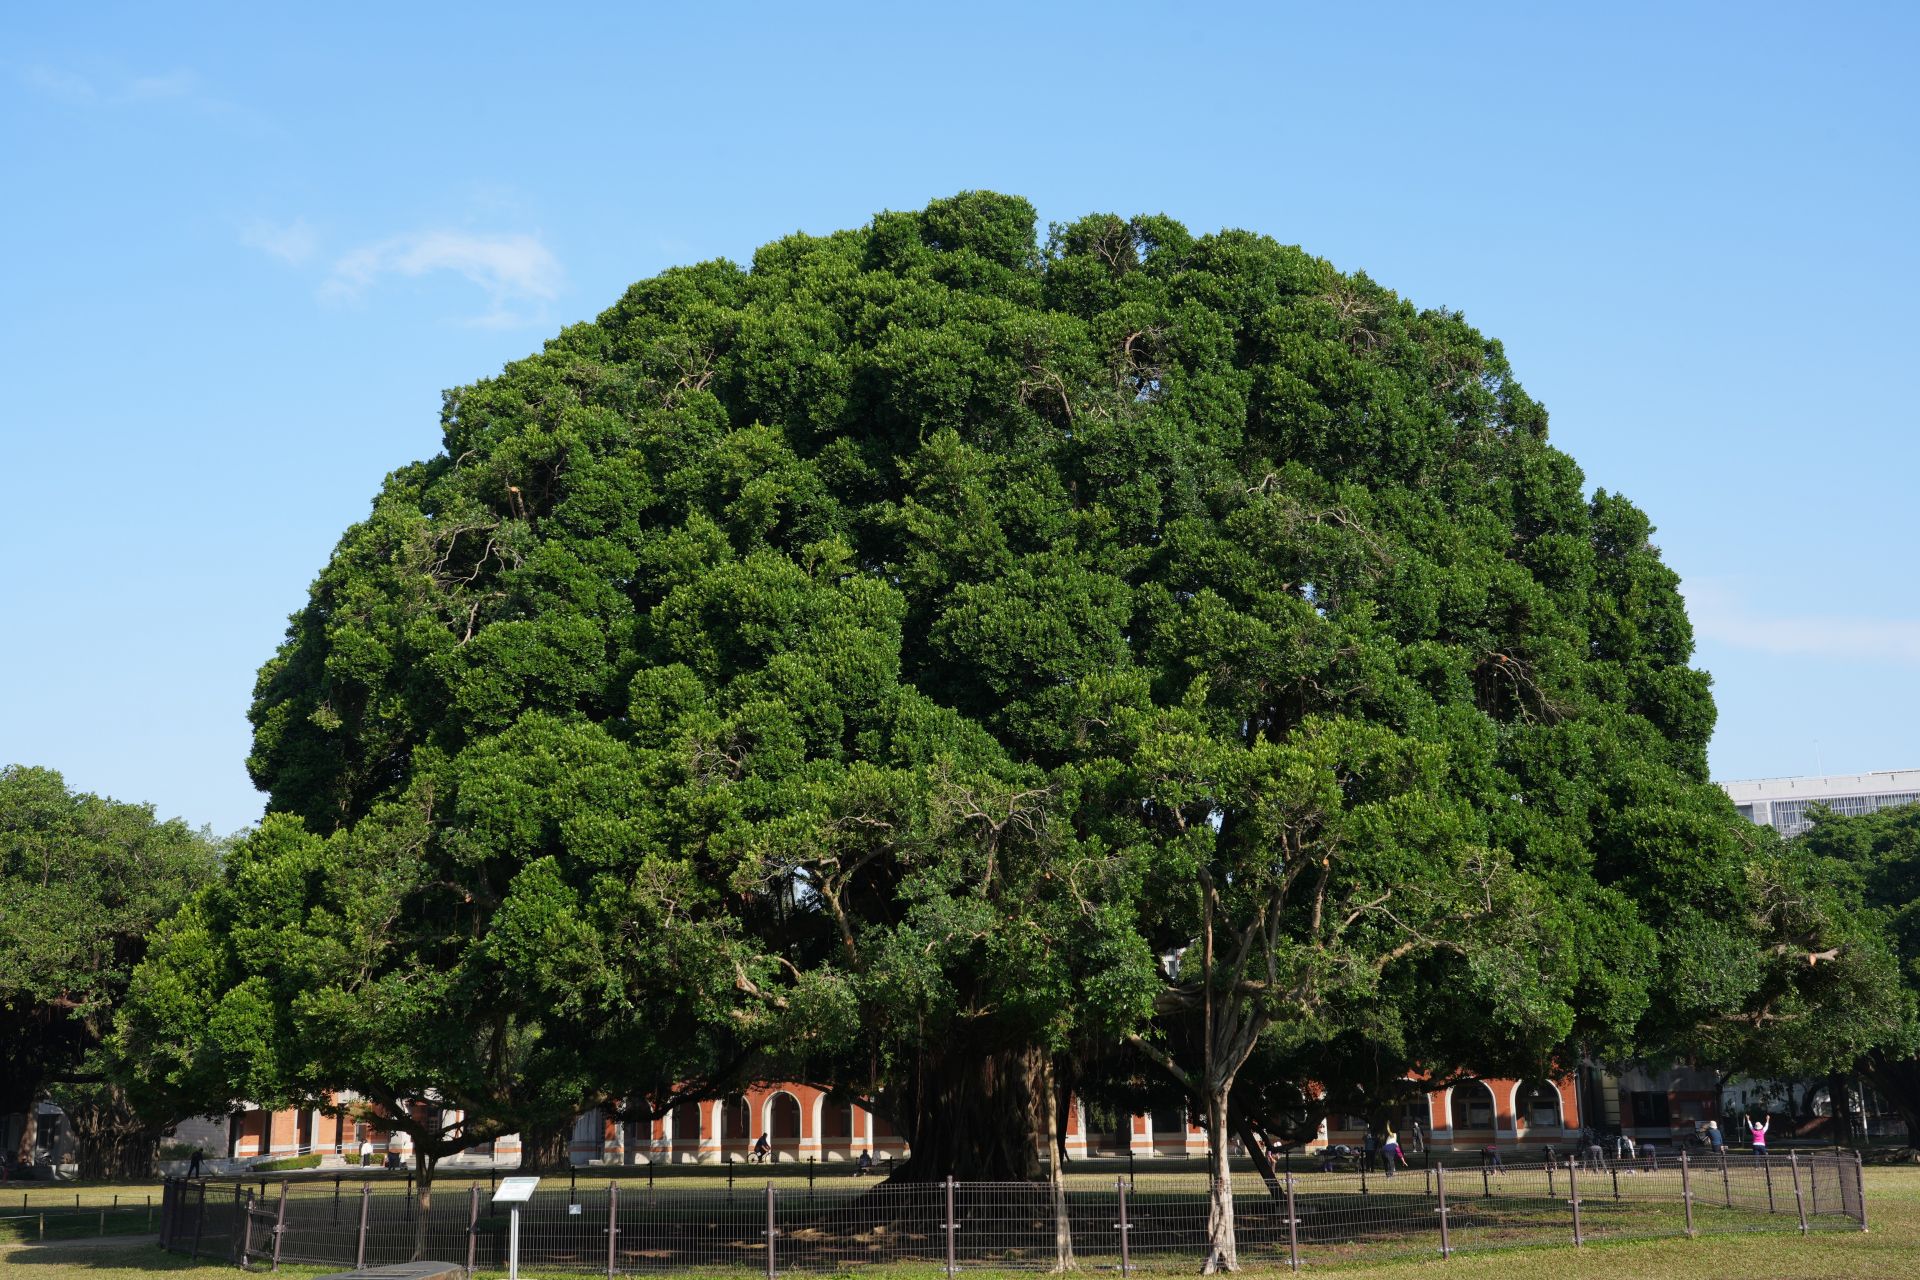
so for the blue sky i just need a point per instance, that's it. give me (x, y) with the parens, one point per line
(247, 247)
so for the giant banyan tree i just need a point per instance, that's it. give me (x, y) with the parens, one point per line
(930, 657)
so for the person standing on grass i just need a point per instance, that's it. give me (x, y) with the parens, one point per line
(1390, 1153)
(193, 1165)
(1757, 1130)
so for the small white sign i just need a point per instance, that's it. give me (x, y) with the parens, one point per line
(515, 1190)
(574, 1209)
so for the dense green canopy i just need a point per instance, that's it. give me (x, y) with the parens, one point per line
(916, 640)
(83, 880)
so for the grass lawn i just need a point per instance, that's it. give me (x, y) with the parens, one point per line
(1890, 1250)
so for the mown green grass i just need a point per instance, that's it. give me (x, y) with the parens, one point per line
(1889, 1251)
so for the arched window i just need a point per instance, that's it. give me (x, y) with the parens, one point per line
(1472, 1106)
(736, 1120)
(686, 1122)
(1538, 1105)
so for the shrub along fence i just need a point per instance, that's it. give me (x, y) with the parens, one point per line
(1151, 1222)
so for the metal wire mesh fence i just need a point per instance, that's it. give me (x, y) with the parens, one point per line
(1148, 1222)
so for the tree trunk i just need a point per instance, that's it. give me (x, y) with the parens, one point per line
(1051, 1150)
(1897, 1079)
(1222, 1253)
(423, 1165)
(29, 1131)
(1262, 1162)
(112, 1144)
(978, 1117)
(546, 1147)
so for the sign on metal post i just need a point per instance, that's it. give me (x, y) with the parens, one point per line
(514, 1192)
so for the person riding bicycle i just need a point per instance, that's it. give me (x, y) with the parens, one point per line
(762, 1149)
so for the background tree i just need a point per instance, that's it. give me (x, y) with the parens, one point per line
(935, 573)
(83, 879)
(1842, 988)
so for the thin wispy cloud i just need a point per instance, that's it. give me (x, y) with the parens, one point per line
(71, 87)
(293, 243)
(1721, 616)
(517, 272)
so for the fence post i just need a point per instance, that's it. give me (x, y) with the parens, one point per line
(246, 1240)
(336, 1200)
(1293, 1225)
(233, 1235)
(613, 1223)
(1686, 1191)
(1726, 1184)
(473, 1227)
(1486, 1187)
(200, 1221)
(1615, 1171)
(360, 1243)
(950, 1225)
(1440, 1189)
(1860, 1187)
(279, 1225)
(1551, 1193)
(1573, 1198)
(1126, 1258)
(1766, 1165)
(1799, 1205)
(770, 1231)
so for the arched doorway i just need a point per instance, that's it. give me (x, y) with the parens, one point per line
(736, 1128)
(836, 1129)
(686, 1131)
(1109, 1130)
(1471, 1113)
(783, 1126)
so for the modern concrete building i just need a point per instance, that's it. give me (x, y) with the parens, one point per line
(1782, 803)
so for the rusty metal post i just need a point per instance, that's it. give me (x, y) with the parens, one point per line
(360, 1243)
(233, 1236)
(950, 1226)
(1573, 1198)
(1686, 1191)
(200, 1221)
(613, 1224)
(1293, 1227)
(1614, 1169)
(1766, 1164)
(1126, 1256)
(279, 1224)
(473, 1228)
(770, 1231)
(1726, 1184)
(1440, 1189)
(1860, 1187)
(1799, 1205)
(1551, 1193)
